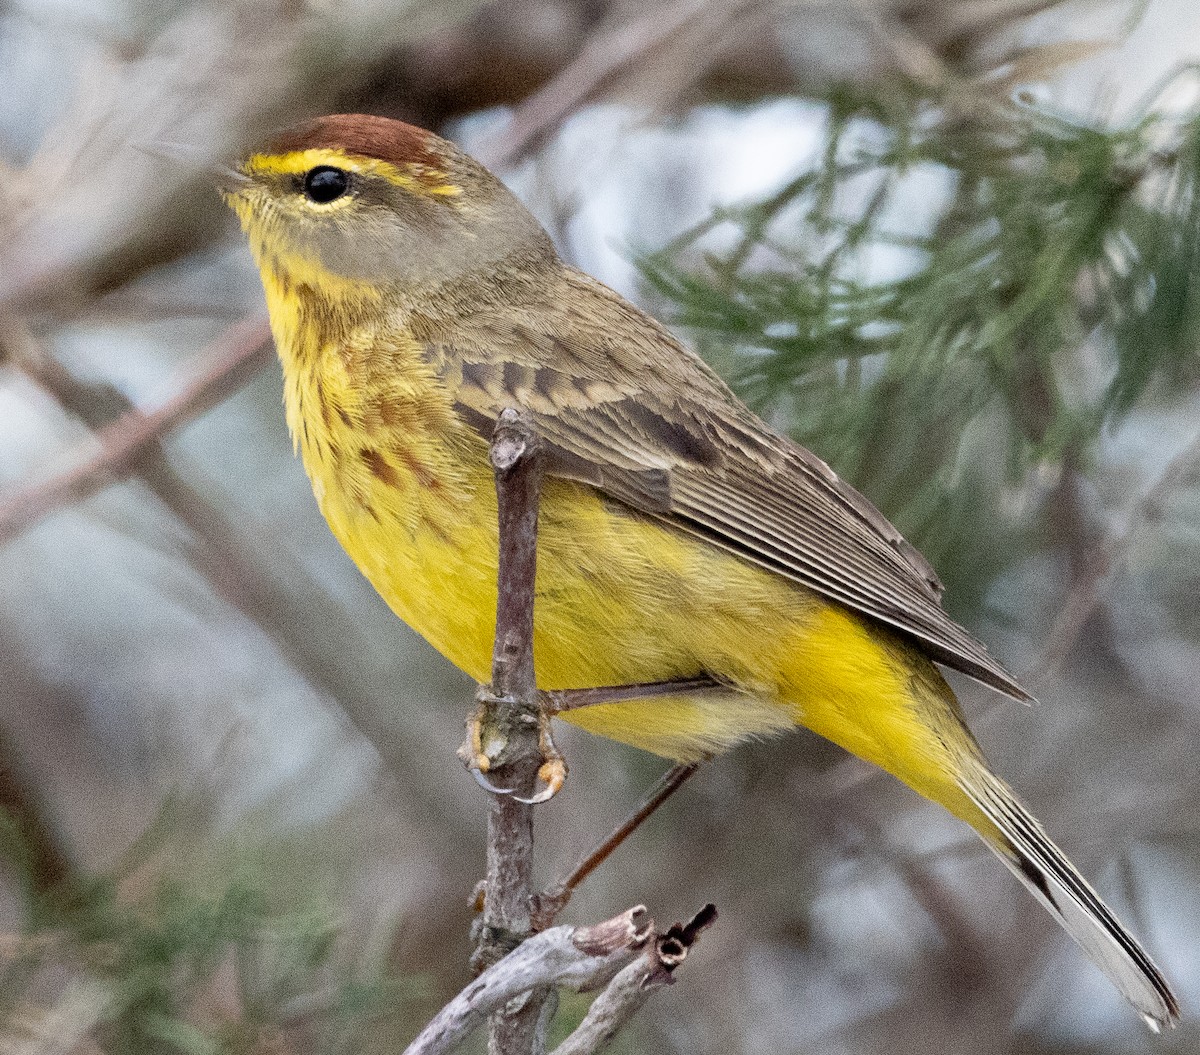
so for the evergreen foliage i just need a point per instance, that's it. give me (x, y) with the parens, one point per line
(944, 361)
(194, 968)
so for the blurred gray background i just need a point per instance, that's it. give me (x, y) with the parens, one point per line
(198, 689)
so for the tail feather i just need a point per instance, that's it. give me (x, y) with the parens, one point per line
(1043, 868)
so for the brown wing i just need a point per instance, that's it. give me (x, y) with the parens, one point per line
(621, 405)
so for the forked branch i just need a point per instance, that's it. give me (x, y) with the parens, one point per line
(583, 959)
(630, 989)
(626, 955)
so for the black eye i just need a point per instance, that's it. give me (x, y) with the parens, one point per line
(325, 183)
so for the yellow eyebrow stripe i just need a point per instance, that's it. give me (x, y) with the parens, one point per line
(421, 179)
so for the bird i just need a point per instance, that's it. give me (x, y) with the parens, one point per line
(413, 299)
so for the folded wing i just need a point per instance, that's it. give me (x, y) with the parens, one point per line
(651, 425)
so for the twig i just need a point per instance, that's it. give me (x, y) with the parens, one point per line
(579, 958)
(551, 902)
(239, 352)
(635, 984)
(1105, 558)
(508, 736)
(508, 718)
(626, 953)
(603, 60)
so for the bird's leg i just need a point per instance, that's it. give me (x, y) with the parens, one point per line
(553, 771)
(554, 768)
(553, 900)
(559, 700)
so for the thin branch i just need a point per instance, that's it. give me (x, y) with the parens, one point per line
(635, 984)
(604, 60)
(1104, 559)
(579, 958)
(239, 352)
(550, 903)
(510, 729)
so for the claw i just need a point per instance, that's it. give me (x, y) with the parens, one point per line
(479, 758)
(553, 770)
(553, 773)
(487, 785)
(475, 758)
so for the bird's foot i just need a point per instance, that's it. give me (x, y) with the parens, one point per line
(489, 745)
(552, 773)
(497, 724)
(473, 753)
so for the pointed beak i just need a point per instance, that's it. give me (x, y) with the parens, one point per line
(228, 179)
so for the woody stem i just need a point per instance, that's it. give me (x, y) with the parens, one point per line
(511, 705)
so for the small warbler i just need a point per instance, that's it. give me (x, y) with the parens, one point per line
(413, 298)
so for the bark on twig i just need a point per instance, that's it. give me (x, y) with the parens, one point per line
(578, 958)
(509, 710)
(635, 984)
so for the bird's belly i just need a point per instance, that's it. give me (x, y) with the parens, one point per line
(622, 599)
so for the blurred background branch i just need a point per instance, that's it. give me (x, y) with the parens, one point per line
(124, 444)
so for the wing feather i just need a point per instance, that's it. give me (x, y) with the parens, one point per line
(647, 422)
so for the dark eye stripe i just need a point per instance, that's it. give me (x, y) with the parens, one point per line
(325, 183)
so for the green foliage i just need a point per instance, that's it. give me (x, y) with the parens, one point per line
(181, 969)
(1047, 246)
